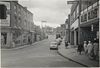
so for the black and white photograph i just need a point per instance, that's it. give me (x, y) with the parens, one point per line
(49, 33)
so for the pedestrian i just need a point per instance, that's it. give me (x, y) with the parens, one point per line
(90, 50)
(66, 44)
(80, 48)
(85, 47)
(13, 44)
(2, 41)
(96, 49)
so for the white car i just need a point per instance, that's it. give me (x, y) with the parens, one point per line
(53, 45)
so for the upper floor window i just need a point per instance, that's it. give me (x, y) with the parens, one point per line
(93, 14)
(84, 18)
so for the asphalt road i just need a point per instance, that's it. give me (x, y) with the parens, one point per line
(37, 55)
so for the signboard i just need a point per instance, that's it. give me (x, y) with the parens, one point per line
(6, 22)
(74, 25)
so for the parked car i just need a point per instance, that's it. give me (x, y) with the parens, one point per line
(53, 45)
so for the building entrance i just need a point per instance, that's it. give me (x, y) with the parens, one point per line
(3, 38)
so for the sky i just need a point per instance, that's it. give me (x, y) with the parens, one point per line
(54, 12)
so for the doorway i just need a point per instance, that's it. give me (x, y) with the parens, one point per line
(4, 37)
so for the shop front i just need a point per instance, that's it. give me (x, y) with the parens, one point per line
(90, 24)
(6, 38)
(89, 32)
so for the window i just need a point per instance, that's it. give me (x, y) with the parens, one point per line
(93, 14)
(3, 13)
(84, 18)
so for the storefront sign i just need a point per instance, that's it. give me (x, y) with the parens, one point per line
(92, 27)
(5, 22)
(74, 25)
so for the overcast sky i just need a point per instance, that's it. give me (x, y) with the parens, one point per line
(54, 12)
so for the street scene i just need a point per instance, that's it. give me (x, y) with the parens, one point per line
(49, 33)
(36, 55)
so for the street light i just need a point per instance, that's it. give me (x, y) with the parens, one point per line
(77, 2)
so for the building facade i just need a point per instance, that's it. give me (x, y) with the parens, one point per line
(67, 29)
(74, 24)
(17, 28)
(88, 23)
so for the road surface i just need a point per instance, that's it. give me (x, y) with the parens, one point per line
(37, 55)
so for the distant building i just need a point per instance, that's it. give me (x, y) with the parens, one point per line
(18, 26)
(63, 27)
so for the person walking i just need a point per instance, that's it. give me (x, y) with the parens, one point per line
(66, 44)
(2, 41)
(96, 49)
(90, 50)
(85, 47)
(80, 48)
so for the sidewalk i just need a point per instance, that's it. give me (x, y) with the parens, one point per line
(24, 46)
(71, 54)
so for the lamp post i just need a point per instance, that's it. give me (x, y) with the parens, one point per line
(77, 2)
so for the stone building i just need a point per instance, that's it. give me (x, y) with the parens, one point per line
(18, 27)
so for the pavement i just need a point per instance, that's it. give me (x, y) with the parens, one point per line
(72, 54)
(24, 46)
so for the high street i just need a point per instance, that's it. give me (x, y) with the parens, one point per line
(36, 55)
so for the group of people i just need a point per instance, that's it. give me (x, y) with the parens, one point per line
(91, 49)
